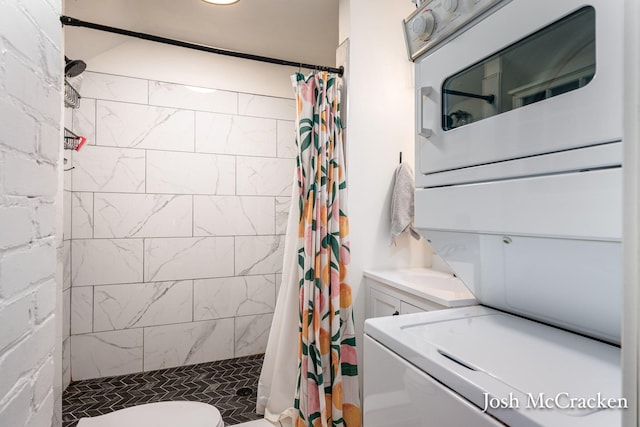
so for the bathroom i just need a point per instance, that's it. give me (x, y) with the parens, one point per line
(135, 82)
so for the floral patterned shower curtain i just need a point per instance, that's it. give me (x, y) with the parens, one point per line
(327, 392)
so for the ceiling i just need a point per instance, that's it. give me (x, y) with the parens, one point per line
(294, 30)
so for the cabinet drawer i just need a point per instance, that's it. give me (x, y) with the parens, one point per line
(406, 308)
(382, 304)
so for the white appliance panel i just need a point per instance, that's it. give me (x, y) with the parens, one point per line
(579, 118)
(583, 205)
(398, 394)
(477, 350)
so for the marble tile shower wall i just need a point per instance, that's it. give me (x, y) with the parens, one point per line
(178, 204)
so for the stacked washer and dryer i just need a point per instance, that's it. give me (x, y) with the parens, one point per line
(519, 189)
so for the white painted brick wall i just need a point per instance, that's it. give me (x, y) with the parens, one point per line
(30, 138)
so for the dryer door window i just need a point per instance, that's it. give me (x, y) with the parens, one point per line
(558, 59)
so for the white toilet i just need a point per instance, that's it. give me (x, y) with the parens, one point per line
(160, 414)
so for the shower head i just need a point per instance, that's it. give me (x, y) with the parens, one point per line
(74, 67)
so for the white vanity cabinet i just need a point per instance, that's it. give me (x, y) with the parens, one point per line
(404, 291)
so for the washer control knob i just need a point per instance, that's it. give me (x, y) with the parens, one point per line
(450, 5)
(424, 24)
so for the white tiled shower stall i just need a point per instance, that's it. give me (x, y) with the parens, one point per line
(175, 214)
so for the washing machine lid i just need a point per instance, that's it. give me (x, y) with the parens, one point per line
(547, 376)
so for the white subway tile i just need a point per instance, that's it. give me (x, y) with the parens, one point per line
(81, 215)
(278, 284)
(142, 304)
(106, 354)
(283, 205)
(84, 120)
(258, 254)
(188, 343)
(233, 296)
(67, 198)
(193, 98)
(106, 261)
(108, 169)
(81, 310)
(252, 334)
(66, 363)
(66, 313)
(143, 126)
(187, 258)
(67, 164)
(190, 173)
(225, 134)
(233, 215)
(142, 215)
(266, 106)
(264, 177)
(114, 88)
(66, 264)
(286, 140)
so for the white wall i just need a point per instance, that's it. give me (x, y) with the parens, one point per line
(30, 107)
(380, 126)
(155, 61)
(631, 241)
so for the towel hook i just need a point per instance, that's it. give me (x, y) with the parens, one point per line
(401, 157)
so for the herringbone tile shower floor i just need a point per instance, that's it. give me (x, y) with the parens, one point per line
(217, 383)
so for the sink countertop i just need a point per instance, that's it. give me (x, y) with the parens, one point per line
(436, 286)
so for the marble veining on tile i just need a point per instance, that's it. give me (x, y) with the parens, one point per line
(66, 363)
(106, 261)
(192, 97)
(67, 197)
(109, 169)
(190, 173)
(286, 139)
(81, 310)
(114, 88)
(252, 334)
(106, 354)
(84, 120)
(258, 254)
(226, 134)
(266, 106)
(142, 215)
(188, 258)
(233, 296)
(66, 264)
(142, 304)
(188, 343)
(81, 215)
(265, 176)
(142, 126)
(233, 215)
(283, 206)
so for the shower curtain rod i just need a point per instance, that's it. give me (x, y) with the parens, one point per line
(73, 22)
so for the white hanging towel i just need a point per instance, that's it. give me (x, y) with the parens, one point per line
(402, 212)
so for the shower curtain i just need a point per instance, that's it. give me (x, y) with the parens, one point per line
(318, 386)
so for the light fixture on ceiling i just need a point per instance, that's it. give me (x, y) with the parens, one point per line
(221, 2)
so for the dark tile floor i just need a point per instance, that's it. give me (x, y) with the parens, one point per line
(229, 385)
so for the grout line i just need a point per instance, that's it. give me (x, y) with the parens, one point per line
(93, 308)
(93, 215)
